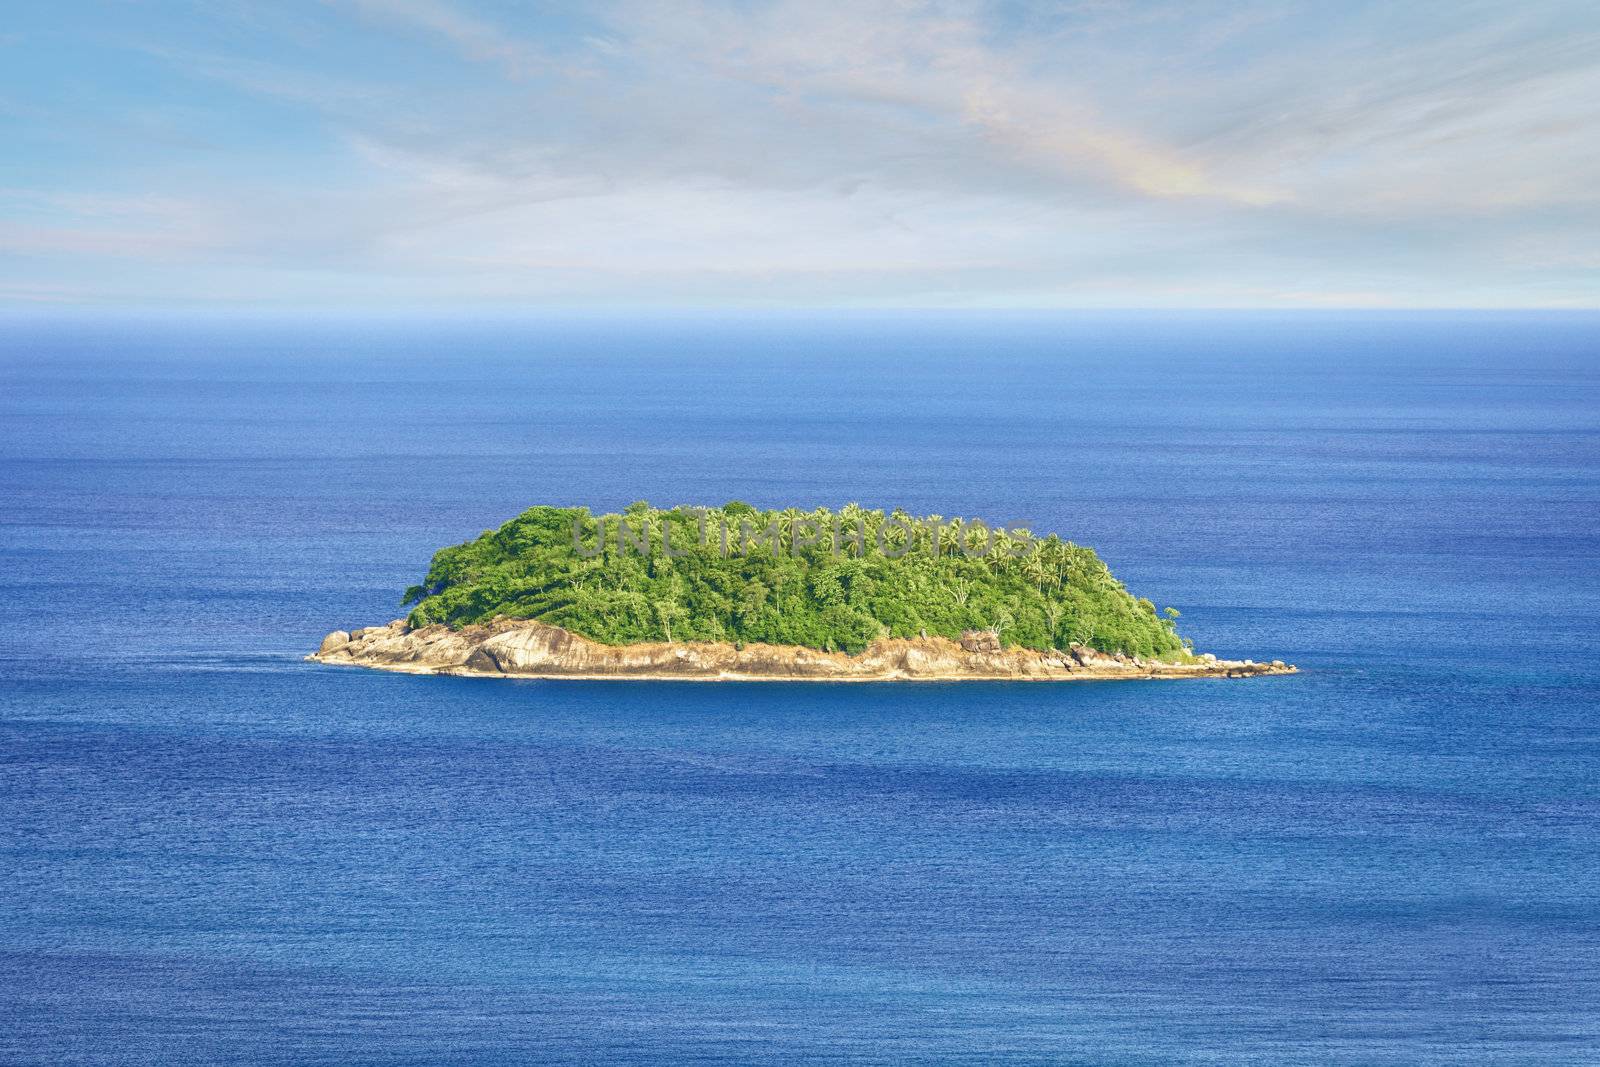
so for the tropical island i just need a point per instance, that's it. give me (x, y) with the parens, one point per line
(738, 593)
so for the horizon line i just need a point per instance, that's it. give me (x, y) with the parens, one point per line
(462, 312)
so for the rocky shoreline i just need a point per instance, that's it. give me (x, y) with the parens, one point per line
(524, 648)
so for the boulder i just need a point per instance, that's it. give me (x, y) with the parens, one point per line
(1094, 659)
(337, 639)
(980, 641)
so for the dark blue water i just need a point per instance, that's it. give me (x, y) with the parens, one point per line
(217, 853)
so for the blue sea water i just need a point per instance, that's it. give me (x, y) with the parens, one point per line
(216, 853)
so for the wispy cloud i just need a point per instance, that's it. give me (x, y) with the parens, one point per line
(948, 151)
(275, 80)
(476, 38)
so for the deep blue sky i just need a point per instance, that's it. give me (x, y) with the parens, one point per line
(447, 153)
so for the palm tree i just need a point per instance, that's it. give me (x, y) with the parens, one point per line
(786, 521)
(958, 530)
(1036, 569)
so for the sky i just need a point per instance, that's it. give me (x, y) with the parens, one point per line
(499, 154)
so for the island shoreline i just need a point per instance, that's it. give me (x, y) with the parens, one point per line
(525, 648)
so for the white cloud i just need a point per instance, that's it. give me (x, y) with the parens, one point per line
(882, 150)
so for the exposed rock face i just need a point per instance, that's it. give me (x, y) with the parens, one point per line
(1092, 659)
(337, 639)
(980, 641)
(531, 649)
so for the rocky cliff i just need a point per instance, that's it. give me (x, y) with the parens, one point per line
(530, 649)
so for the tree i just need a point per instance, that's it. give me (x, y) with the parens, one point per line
(1003, 620)
(666, 611)
(1056, 593)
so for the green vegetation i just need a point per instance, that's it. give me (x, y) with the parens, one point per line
(828, 580)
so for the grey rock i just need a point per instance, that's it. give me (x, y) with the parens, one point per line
(979, 641)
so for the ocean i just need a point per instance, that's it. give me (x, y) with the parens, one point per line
(217, 853)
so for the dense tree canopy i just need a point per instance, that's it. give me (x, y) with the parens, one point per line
(824, 579)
